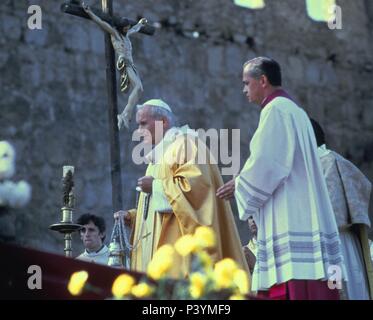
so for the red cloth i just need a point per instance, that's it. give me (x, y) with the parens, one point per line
(301, 290)
(56, 271)
(275, 94)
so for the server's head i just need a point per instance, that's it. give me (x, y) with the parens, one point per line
(92, 232)
(260, 76)
(252, 226)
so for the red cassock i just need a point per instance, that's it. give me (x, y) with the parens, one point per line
(301, 290)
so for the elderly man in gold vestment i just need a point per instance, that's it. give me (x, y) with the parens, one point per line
(182, 193)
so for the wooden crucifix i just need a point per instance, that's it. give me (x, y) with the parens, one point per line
(114, 26)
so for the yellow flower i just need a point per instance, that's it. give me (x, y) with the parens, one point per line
(122, 286)
(77, 282)
(154, 271)
(237, 297)
(241, 280)
(142, 290)
(163, 252)
(205, 237)
(224, 271)
(185, 245)
(161, 262)
(158, 268)
(226, 265)
(197, 284)
(205, 259)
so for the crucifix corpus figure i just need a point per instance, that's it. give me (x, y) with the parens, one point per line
(129, 76)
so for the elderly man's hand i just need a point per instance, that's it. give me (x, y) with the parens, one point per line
(226, 191)
(125, 215)
(146, 184)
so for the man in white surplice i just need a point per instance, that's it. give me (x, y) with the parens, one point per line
(282, 186)
(349, 192)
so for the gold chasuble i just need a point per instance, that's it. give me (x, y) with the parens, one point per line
(189, 183)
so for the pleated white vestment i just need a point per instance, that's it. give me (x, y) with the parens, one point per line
(282, 186)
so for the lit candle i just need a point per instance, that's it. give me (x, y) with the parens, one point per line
(66, 169)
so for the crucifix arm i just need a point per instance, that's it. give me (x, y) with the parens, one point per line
(104, 25)
(136, 28)
(115, 21)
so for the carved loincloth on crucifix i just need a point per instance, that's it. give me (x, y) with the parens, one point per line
(122, 66)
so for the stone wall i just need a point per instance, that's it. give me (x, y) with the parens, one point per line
(53, 93)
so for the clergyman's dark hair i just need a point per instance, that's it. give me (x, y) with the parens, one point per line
(319, 132)
(97, 221)
(264, 66)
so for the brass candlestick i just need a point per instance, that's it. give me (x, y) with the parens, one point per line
(66, 226)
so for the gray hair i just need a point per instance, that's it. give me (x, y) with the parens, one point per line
(264, 66)
(253, 67)
(159, 113)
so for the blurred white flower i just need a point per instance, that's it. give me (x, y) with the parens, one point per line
(14, 195)
(22, 194)
(7, 160)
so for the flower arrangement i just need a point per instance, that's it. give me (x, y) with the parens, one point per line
(222, 280)
(12, 194)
